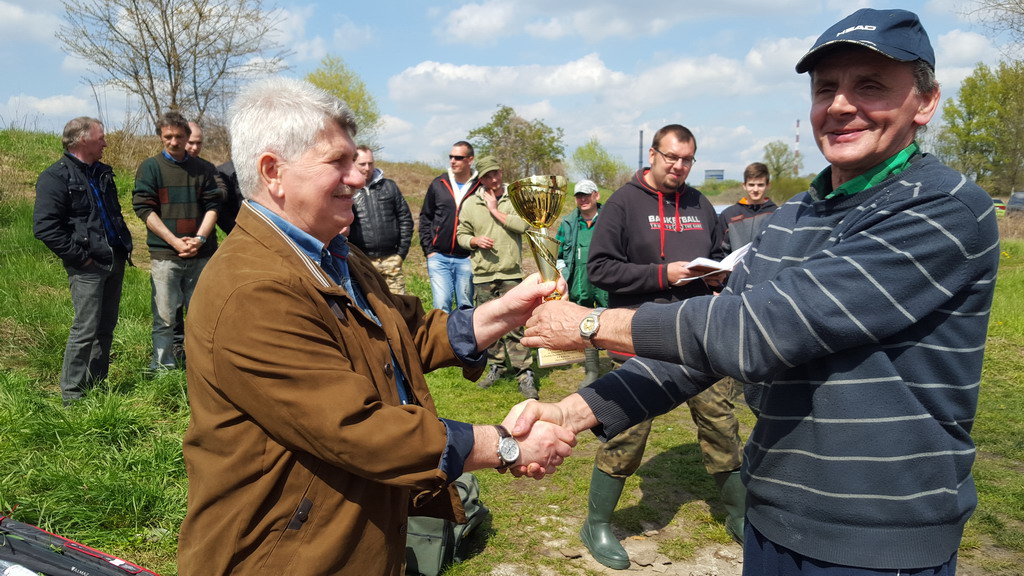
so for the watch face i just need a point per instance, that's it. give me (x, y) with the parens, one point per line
(508, 449)
(588, 324)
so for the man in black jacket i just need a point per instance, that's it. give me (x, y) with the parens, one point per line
(78, 216)
(383, 223)
(448, 264)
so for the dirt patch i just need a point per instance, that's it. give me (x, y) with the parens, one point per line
(644, 553)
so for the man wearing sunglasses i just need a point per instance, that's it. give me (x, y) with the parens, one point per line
(448, 264)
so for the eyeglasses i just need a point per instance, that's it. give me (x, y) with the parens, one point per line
(454, 157)
(672, 159)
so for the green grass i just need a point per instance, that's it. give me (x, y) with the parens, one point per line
(108, 471)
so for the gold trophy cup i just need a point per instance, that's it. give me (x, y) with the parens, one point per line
(538, 200)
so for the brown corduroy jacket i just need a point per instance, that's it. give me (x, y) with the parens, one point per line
(300, 457)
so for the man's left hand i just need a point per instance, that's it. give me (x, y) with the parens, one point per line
(530, 293)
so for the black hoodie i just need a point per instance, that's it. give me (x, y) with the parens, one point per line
(631, 248)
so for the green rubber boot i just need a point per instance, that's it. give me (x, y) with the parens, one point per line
(592, 366)
(734, 499)
(597, 530)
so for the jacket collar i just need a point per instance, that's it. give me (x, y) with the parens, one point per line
(262, 227)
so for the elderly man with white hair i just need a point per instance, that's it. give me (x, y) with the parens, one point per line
(313, 433)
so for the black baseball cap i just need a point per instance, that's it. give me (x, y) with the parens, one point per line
(897, 34)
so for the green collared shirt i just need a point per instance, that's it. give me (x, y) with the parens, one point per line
(891, 167)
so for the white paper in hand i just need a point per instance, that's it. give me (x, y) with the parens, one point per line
(725, 265)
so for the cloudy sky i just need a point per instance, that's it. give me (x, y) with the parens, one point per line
(603, 68)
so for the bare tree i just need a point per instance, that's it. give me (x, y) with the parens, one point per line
(185, 56)
(1001, 16)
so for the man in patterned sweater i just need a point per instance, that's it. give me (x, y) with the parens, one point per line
(177, 197)
(857, 321)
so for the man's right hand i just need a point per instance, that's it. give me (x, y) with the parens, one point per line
(483, 242)
(187, 247)
(571, 414)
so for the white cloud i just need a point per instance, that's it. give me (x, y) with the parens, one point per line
(18, 23)
(478, 22)
(599, 19)
(76, 65)
(960, 9)
(349, 36)
(312, 50)
(400, 134)
(290, 32)
(959, 48)
(957, 54)
(536, 111)
(436, 82)
(548, 29)
(776, 58)
(394, 125)
(60, 106)
(588, 74)
(680, 80)
(597, 22)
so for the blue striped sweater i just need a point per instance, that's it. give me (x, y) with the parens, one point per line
(859, 325)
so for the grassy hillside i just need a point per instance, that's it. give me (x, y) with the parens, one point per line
(109, 472)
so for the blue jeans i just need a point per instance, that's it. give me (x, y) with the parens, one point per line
(762, 557)
(450, 276)
(173, 282)
(96, 296)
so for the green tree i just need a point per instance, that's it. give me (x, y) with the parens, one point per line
(335, 77)
(593, 162)
(782, 161)
(522, 148)
(172, 55)
(784, 165)
(983, 132)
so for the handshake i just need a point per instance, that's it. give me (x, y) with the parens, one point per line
(546, 433)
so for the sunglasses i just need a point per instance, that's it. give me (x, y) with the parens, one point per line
(454, 157)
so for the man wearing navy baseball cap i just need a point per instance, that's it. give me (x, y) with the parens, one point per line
(857, 323)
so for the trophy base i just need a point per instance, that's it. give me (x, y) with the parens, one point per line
(547, 357)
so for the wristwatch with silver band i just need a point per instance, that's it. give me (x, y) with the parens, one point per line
(590, 325)
(508, 448)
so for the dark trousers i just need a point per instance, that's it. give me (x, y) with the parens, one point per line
(96, 296)
(762, 557)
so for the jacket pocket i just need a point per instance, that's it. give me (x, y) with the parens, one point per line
(300, 515)
(81, 203)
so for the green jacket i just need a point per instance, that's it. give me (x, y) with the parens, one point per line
(573, 250)
(505, 260)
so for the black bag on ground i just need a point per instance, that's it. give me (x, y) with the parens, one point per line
(45, 553)
(433, 544)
